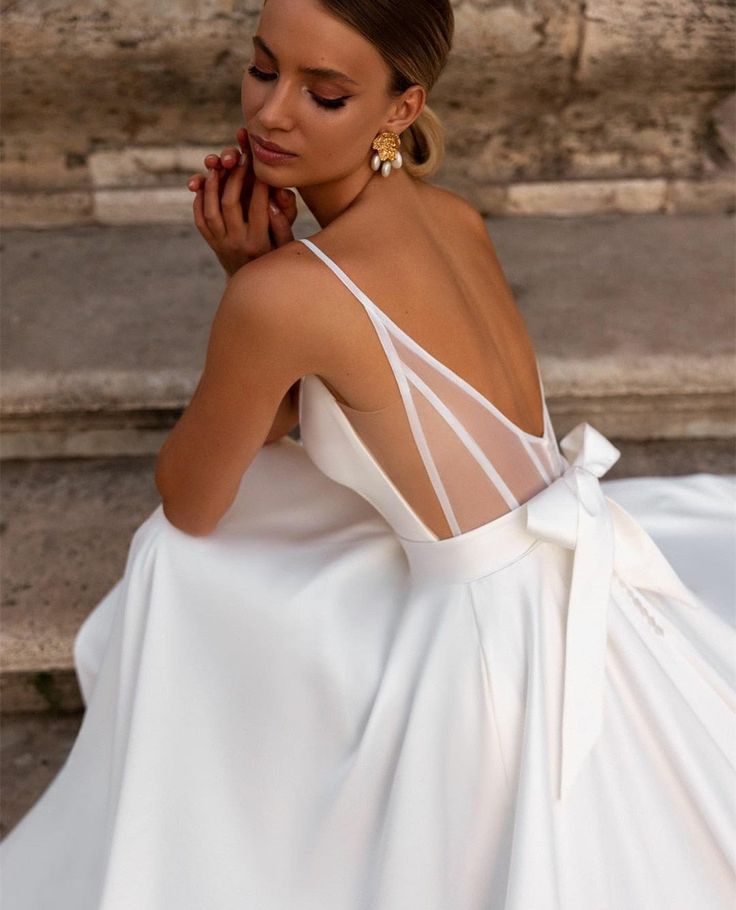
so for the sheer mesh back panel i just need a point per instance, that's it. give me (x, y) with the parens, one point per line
(480, 465)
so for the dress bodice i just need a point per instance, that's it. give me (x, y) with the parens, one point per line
(338, 451)
(479, 463)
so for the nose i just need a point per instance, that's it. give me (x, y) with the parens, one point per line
(275, 112)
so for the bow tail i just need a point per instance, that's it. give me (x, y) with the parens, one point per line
(611, 540)
(586, 641)
(574, 513)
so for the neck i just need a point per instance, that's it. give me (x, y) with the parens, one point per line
(327, 201)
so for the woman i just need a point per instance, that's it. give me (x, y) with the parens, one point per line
(418, 659)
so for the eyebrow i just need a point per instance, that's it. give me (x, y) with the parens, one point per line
(319, 71)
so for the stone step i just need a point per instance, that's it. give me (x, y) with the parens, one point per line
(65, 538)
(105, 328)
(33, 748)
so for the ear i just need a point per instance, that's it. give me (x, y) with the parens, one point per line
(407, 108)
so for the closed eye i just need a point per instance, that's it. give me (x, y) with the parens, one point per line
(322, 102)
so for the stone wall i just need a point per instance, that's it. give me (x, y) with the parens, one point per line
(551, 106)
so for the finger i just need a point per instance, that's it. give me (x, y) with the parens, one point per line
(242, 138)
(286, 200)
(232, 209)
(212, 213)
(248, 180)
(280, 225)
(258, 218)
(195, 182)
(230, 157)
(212, 161)
(198, 209)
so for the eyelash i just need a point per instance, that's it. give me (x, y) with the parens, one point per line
(329, 103)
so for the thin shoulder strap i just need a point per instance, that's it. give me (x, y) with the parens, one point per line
(346, 280)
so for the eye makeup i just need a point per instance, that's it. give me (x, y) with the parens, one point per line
(329, 103)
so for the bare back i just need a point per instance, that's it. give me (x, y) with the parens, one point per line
(431, 269)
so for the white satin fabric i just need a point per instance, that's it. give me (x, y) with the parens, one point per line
(321, 706)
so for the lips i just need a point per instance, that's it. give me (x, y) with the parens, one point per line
(271, 145)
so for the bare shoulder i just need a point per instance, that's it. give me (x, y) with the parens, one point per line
(288, 292)
(446, 202)
(274, 271)
(284, 281)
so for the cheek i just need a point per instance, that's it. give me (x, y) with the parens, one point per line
(251, 97)
(351, 140)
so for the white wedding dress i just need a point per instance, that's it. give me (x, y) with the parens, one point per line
(324, 706)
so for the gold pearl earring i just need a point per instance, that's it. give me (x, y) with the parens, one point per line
(387, 155)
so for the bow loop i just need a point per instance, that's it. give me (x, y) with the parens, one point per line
(586, 447)
(553, 514)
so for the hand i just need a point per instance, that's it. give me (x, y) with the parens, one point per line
(228, 192)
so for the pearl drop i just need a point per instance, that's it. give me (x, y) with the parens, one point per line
(375, 161)
(398, 160)
(386, 168)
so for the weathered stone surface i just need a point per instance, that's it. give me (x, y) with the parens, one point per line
(542, 91)
(618, 134)
(65, 535)
(682, 44)
(44, 209)
(724, 121)
(33, 747)
(542, 198)
(701, 197)
(582, 197)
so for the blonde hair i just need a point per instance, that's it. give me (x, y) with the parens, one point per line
(414, 37)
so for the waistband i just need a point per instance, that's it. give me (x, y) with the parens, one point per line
(473, 554)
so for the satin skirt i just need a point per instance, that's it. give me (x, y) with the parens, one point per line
(283, 715)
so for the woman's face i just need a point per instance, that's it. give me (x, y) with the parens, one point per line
(326, 120)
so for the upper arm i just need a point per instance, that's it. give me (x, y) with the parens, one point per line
(264, 337)
(287, 416)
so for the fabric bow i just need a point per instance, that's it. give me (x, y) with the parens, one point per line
(573, 512)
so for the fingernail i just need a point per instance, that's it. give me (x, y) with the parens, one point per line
(243, 159)
(275, 210)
